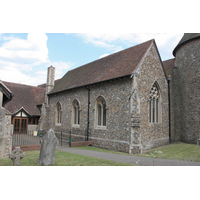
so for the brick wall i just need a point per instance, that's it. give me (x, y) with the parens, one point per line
(80, 144)
(28, 147)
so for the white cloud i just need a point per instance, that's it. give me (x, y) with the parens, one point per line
(15, 75)
(166, 42)
(19, 56)
(61, 68)
(26, 52)
(99, 39)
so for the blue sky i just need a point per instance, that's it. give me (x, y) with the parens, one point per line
(24, 58)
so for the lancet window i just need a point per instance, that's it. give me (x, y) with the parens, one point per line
(101, 111)
(58, 113)
(154, 104)
(76, 112)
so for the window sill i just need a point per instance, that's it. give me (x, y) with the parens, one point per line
(154, 123)
(58, 124)
(101, 127)
(75, 126)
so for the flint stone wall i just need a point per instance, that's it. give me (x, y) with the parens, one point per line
(185, 94)
(152, 134)
(118, 134)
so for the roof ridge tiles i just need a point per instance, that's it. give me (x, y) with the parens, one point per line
(22, 84)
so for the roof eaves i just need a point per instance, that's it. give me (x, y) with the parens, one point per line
(49, 94)
(5, 87)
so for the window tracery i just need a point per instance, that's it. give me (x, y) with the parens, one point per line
(154, 104)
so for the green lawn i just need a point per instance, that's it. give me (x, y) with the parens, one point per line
(174, 151)
(63, 159)
(177, 151)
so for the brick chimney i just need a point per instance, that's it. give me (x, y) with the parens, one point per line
(50, 82)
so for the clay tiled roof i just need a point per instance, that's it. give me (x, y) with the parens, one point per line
(24, 96)
(7, 94)
(168, 66)
(114, 66)
(42, 98)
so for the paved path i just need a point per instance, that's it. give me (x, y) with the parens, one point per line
(143, 161)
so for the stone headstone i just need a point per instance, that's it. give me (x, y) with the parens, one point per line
(16, 156)
(48, 148)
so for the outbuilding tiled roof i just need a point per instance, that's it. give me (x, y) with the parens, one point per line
(114, 66)
(42, 98)
(168, 66)
(24, 96)
(7, 94)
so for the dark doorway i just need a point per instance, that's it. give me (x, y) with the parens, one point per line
(20, 125)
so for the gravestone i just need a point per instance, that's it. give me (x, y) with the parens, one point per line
(16, 156)
(48, 148)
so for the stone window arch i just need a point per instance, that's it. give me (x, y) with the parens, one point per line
(58, 113)
(154, 104)
(75, 112)
(100, 110)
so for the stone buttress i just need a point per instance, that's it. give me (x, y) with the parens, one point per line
(135, 137)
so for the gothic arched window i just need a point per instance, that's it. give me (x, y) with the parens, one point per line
(154, 104)
(100, 112)
(75, 112)
(58, 113)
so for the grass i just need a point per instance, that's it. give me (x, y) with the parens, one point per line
(177, 151)
(174, 151)
(63, 159)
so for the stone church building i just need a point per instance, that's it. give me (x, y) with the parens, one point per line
(128, 101)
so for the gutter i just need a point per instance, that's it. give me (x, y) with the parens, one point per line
(170, 139)
(88, 118)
